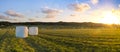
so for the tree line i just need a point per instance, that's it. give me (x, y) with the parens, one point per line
(60, 24)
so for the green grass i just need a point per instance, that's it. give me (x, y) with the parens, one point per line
(62, 40)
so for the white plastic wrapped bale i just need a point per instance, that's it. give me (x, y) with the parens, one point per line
(21, 31)
(33, 30)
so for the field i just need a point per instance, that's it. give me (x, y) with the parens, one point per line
(62, 40)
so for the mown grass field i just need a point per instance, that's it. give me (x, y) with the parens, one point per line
(62, 40)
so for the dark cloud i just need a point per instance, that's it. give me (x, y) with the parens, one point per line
(13, 13)
(51, 13)
(79, 7)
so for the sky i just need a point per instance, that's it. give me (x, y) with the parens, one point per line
(58, 10)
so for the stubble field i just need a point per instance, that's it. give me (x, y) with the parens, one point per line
(62, 40)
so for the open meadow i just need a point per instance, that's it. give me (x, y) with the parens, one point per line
(59, 25)
(62, 40)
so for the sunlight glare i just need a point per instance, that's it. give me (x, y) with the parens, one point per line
(109, 18)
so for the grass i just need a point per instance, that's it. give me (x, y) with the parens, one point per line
(62, 40)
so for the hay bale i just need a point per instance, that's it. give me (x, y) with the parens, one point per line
(21, 31)
(33, 30)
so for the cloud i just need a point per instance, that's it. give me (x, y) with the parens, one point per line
(31, 19)
(119, 5)
(13, 13)
(94, 1)
(79, 7)
(37, 16)
(5, 17)
(51, 13)
(74, 15)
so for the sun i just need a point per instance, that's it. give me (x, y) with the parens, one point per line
(109, 18)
